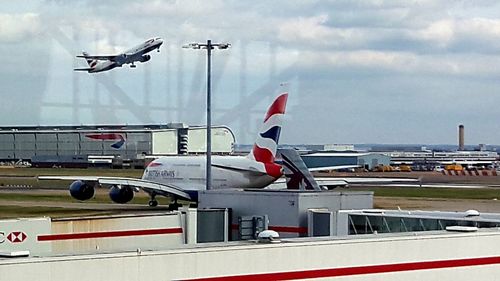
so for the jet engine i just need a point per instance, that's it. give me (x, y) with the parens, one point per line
(145, 58)
(81, 190)
(121, 194)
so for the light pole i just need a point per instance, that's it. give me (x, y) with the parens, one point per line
(209, 46)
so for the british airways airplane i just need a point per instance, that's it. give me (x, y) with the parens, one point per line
(138, 53)
(181, 177)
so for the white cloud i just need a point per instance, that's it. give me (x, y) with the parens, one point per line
(17, 27)
(440, 32)
(487, 27)
(175, 9)
(308, 29)
(451, 32)
(403, 62)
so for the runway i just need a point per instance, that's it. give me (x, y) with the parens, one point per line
(442, 185)
(437, 204)
(59, 199)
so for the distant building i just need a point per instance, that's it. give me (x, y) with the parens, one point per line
(338, 147)
(465, 158)
(107, 143)
(327, 159)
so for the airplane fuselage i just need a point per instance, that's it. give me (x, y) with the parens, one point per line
(189, 173)
(138, 51)
(135, 54)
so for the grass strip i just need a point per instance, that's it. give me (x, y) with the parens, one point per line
(98, 198)
(450, 193)
(7, 212)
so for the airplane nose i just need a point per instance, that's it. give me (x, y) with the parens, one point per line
(160, 41)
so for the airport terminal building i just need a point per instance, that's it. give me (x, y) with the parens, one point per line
(81, 145)
(436, 158)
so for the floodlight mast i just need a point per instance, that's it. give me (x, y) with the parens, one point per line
(209, 46)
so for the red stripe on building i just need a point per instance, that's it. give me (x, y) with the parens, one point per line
(290, 229)
(359, 270)
(108, 234)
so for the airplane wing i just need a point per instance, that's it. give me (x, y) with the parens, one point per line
(368, 180)
(236, 168)
(110, 58)
(323, 183)
(332, 182)
(148, 186)
(328, 168)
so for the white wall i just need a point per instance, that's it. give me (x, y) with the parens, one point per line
(298, 256)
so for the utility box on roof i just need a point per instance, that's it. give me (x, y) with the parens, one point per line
(286, 209)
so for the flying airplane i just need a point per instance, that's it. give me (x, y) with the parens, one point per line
(181, 177)
(138, 53)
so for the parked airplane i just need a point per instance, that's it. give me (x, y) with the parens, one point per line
(183, 176)
(137, 53)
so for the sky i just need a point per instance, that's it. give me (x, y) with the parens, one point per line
(397, 72)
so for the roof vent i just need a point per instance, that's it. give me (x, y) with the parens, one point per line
(14, 254)
(457, 228)
(472, 213)
(269, 236)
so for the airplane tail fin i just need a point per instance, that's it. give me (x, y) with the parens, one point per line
(92, 63)
(82, 69)
(264, 148)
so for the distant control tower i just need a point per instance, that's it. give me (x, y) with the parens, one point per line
(461, 133)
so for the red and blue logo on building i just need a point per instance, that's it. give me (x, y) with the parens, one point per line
(120, 140)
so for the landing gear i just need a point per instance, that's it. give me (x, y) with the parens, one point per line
(158, 50)
(174, 206)
(153, 203)
(133, 65)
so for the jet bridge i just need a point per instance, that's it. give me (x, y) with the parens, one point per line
(296, 171)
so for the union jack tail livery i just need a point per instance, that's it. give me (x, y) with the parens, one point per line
(264, 149)
(91, 62)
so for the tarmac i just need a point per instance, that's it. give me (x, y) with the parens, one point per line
(436, 204)
(428, 179)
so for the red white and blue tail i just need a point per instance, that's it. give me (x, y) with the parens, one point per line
(264, 149)
(91, 62)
